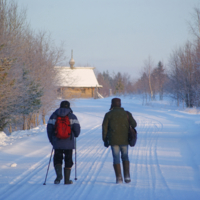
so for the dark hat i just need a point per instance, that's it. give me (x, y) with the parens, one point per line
(116, 102)
(64, 104)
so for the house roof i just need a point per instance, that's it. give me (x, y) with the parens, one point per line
(76, 77)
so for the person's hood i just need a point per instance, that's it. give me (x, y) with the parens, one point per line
(63, 111)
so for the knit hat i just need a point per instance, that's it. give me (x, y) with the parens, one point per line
(116, 102)
(65, 104)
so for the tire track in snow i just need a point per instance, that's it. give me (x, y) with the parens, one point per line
(146, 167)
(151, 129)
(139, 154)
(24, 177)
(39, 167)
(83, 168)
(82, 150)
(159, 174)
(155, 171)
(91, 176)
(90, 170)
(150, 159)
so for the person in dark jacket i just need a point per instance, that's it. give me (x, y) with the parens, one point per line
(63, 146)
(115, 132)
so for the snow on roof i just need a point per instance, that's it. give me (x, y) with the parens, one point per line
(76, 77)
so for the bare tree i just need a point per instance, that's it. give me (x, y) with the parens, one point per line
(149, 69)
(182, 74)
(11, 26)
(194, 26)
(27, 73)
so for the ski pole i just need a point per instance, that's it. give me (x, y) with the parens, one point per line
(75, 162)
(48, 167)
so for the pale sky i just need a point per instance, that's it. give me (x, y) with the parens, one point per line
(114, 35)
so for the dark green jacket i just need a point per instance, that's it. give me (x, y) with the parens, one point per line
(115, 126)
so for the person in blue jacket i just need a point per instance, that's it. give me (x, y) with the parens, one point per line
(63, 148)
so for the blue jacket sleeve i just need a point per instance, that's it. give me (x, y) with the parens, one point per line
(51, 128)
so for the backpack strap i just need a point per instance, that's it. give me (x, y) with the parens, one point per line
(70, 124)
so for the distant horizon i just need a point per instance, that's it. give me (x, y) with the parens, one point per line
(116, 35)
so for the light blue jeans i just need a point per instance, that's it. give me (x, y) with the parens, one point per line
(116, 149)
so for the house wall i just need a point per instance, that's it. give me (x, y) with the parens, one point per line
(65, 92)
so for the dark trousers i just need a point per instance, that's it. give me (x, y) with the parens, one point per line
(58, 157)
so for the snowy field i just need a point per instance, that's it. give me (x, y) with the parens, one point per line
(165, 163)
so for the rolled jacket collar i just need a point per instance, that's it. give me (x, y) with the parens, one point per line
(117, 108)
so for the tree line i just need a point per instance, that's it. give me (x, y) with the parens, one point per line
(153, 81)
(27, 59)
(185, 68)
(115, 83)
(27, 76)
(180, 78)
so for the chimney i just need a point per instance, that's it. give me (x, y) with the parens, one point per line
(71, 62)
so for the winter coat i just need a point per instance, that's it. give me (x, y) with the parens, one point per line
(115, 126)
(75, 127)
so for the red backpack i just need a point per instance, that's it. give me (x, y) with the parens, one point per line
(63, 128)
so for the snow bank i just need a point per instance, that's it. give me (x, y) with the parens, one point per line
(193, 111)
(3, 139)
(16, 135)
(166, 103)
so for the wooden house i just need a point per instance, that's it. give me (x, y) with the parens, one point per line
(76, 82)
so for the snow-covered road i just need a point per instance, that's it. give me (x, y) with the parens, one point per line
(165, 163)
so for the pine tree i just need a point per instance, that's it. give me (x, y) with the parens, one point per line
(119, 86)
(30, 99)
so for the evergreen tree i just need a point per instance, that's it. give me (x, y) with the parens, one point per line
(119, 85)
(30, 99)
(161, 79)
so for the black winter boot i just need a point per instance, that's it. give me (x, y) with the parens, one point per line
(118, 173)
(58, 169)
(126, 169)
(67, 172)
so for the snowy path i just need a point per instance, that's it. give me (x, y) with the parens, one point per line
(165, 163)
